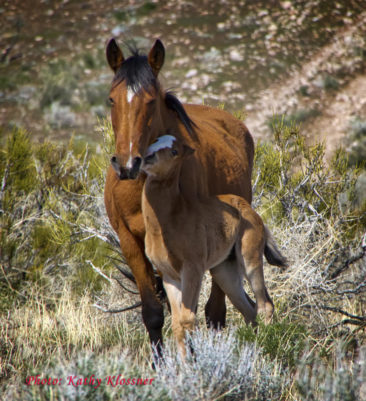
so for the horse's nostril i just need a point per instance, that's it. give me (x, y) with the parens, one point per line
(136, 162)
(113, 159)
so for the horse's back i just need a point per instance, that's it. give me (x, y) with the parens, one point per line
(226, 150)
(222, 122)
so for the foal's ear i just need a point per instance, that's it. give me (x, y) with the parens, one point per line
(187, 151)
(156, 57)
(114, 55)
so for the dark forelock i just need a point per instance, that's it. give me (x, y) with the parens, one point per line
(137, 73)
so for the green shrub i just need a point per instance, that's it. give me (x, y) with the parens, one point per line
(293, 180)
(330, 83)
(291, 120)
(281, 340)
(356, 142)
(17, 167)
(48, 209)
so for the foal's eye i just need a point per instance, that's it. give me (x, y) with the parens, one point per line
(174, 152)
(111, 101)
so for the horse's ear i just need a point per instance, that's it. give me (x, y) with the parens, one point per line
(114, 55)
(156, 57)
(187, 150)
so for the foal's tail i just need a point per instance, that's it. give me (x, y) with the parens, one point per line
(271, 252)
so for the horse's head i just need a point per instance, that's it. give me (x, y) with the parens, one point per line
(165, 156)
(136, 100)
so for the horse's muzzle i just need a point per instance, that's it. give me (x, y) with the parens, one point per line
(135, 169)
(125, 173)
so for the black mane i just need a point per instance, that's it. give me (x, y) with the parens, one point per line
(174, 104)
(138, 74)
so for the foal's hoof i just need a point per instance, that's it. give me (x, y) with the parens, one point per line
(265, 315)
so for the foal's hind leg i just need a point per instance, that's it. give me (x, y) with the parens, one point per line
(230, 279)
(250, 255)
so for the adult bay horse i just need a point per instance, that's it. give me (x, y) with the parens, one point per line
(141, 111)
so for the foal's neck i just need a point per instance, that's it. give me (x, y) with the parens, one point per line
(163, 196)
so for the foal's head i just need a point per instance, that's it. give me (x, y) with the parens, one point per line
(141, 110)
(164, 157)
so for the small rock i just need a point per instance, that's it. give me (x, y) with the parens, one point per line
(191, 73)
(236, 56)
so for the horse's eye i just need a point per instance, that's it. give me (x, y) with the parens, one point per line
(174, 152)
(111, 101)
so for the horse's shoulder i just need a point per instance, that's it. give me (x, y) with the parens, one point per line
(210, 118)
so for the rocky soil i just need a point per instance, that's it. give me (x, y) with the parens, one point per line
(304, 59)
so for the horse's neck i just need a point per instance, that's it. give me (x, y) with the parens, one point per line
(160, 200)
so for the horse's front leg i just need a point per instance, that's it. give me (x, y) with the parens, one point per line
(215, 309)
(133, 250)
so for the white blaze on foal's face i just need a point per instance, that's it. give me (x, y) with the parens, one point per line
(165, 141)
(155, 162)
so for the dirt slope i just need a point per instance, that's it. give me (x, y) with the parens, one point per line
(325, 95)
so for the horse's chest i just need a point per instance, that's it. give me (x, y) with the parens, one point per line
(159, 255)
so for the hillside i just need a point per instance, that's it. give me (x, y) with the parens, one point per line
(305, 59)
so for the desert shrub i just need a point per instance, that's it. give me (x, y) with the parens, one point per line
(108, 369)
(356, 142)
(309, 204)
(345, 380)
(330, 83)
(293, 179)
(219, 369)
(51, 213)
(297, 117)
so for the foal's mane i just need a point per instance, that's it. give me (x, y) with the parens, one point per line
(138, 74)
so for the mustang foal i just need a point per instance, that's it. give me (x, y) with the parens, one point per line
(187, 235)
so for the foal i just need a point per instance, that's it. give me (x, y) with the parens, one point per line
(187, 235)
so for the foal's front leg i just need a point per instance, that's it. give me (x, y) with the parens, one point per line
(191, 287)
(183, 297)
(174, 293)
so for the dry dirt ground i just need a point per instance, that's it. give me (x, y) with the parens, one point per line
(326, 94)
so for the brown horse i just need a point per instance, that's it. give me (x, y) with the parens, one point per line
(222, 163)
(187, 235)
